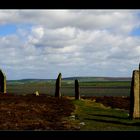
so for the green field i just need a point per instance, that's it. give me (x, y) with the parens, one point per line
(90, 115)
(89, 88)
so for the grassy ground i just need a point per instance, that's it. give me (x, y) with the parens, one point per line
(117, 88)
(95, 116)
(88, 114)
(107, 83)
(48, 113)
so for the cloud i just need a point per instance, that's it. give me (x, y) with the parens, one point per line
(74, 42)
(122, 19)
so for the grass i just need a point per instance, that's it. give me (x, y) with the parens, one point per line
(116, 88)
(49, 113)
(107, 83)
(88, 114)
(95, 116)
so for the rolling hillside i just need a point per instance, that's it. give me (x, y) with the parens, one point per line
(81, 79)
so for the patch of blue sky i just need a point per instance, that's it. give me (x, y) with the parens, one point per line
(137, 12)
(24, 26)
(7, 29)
(135, 32)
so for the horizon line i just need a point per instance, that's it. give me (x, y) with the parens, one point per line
(72, 77)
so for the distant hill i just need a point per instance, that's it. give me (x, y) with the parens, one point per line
(99, 78)
(29, 80)
(81, 79)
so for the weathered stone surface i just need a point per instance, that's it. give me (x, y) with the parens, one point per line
(58, 86)
(36, 93)
(135, 96)
(77, 93)
(2, 82)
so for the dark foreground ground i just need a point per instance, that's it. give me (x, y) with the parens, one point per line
(44, 112)
(33, 112)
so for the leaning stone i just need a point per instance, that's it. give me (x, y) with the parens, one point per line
(2, 82)
(58, 86)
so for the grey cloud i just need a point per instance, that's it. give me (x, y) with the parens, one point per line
(84, 19)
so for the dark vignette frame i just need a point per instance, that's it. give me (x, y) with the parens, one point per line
(69, 4)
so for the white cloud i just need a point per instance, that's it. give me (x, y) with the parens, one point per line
(74, 42)
(85, 19)
(38, 32)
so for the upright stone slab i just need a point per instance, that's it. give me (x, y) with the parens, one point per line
(77, 93)
(2, 82)
(58, 86)
(135, 95)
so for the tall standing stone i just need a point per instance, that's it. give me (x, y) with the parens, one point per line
(58, 86)
(135, 95)
(2, 82)
(77, 93)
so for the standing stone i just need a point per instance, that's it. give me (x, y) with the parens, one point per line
(2, 82)
(58, 86)
(135, 95)
(77, 93)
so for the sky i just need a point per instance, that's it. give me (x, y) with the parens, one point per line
(43, 43)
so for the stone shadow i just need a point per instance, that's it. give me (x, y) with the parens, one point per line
(113, 121)
(109, 116)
